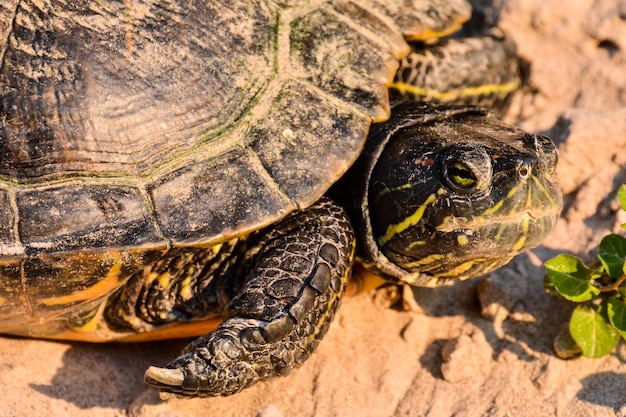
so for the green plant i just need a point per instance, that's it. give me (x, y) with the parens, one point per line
(599, 321)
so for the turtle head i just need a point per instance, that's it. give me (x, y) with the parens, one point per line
(459, 197)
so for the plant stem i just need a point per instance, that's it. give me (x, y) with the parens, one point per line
(615, 285)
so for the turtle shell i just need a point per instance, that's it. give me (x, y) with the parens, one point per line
(127, 129)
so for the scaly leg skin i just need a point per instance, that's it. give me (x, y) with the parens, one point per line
(294, 280)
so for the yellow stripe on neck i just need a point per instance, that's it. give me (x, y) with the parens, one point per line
(455, 94)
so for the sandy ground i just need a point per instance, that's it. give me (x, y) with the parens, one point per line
(456, 353)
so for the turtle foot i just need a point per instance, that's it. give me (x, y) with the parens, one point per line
(214, 365)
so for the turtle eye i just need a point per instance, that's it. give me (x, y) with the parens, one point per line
(460, 175)
(467, 168)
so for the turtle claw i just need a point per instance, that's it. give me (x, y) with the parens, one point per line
(164, 377)
(167, 380)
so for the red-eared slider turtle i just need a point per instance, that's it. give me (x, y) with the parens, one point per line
(163, 163)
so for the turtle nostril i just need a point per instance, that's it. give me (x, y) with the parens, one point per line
(524, 171)
(544, 149)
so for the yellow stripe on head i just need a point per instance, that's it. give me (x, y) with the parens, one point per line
(412, 220)
(435, 258)
(460, 269)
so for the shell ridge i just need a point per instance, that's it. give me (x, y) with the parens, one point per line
(9, 31)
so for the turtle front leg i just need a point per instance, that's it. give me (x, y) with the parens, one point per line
(294, 274)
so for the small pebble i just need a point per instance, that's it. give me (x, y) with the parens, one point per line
(269, 410)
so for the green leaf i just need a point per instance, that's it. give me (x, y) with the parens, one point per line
(621, 196)
(592, 332)
(572, 278)
(616, 311)
(549, 287)
(612, 255)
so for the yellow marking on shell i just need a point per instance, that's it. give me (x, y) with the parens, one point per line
(176, 331)
(455, 94)
(412, 220)
(2, 301)
(462, 240)
(107, 284)
(216, 248)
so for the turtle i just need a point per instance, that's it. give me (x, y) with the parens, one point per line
(191, 168)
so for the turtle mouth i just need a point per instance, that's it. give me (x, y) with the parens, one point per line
(513, 232)
(517, 233)
(481, 239)
(453, 224)
(477, 237)
(479, 246)
(500, 237)
(472, 246)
